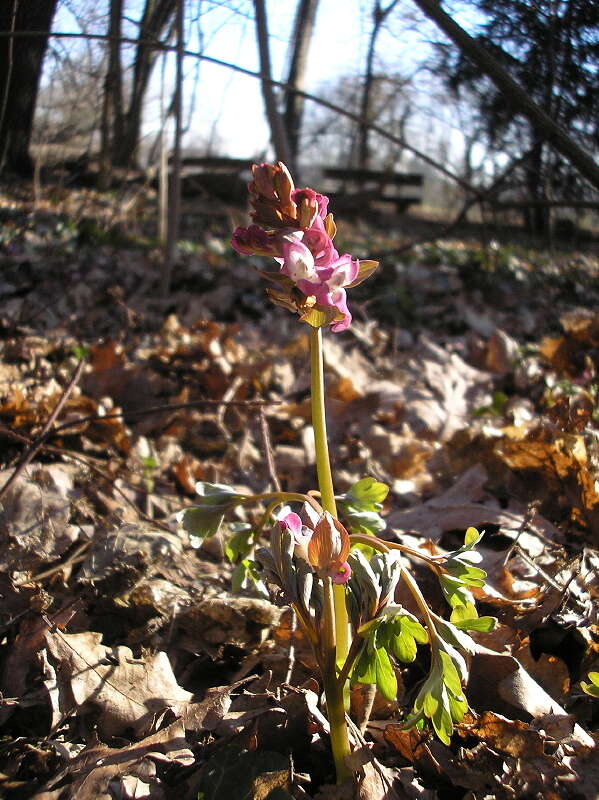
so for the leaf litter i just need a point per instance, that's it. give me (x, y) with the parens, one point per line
(129, 668)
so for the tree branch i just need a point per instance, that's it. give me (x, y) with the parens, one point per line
(546, 126)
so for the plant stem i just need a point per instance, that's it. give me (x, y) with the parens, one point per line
(386, 547)
(284, 497)
(421, 603)
(335, 620)
(325, 479)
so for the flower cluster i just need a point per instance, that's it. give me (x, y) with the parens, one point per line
(321, 541)
(295, 228)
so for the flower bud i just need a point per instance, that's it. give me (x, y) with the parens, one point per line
(329, 546)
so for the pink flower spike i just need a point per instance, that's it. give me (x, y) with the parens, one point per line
(340, 573)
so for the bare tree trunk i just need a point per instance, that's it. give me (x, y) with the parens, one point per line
(156, 17)
(277, 129)
(112, 103)
(21, 62)
(175, 182)
(520, 100)
(379, 14)
(305, 18)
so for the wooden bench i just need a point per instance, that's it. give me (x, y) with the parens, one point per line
(218, 176)
(352, 189)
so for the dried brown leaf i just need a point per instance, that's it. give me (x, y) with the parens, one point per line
(125, 692)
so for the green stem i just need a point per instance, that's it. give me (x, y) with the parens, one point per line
(325, 478)
(386, 547)
(335, 620)
(422, 605)
(284, 497)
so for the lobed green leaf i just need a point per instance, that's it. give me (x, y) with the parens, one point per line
(367, 494)
(591, 688)
(385, 674)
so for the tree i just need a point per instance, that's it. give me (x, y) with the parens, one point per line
(379, 15)
(305, 19)
(278, 133)
(21, 60)
(121, 125)
(532, 71)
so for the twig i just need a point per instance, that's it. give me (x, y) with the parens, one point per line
(74, 558)
(222, 407)
(87, 463)
(39, 440)
(160, 409)
(268, 451)
(291, 649)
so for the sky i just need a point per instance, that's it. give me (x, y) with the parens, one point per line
(226, 109)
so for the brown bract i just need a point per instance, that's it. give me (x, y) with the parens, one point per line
(329, 544)
(270, 196)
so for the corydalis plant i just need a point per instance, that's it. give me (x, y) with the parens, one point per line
(316, 559)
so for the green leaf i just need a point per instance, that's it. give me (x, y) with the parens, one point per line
(454, 636)
(472, 537)
(202, 522)
(217, 494)
(240, 544)
(456, 593)
(367, 494)
(472, 576)
(406, 631)
(451, 679)
(245, 576)
(205, 518)
(441, 719)
(79, 351)
(361, 504)
(385, 675)
(365, 668)
(404, 647)
(431, 703)
(411, 625)
(591, 688)
(457, 707)
(481, 624)
(366, 522)
(460, 613)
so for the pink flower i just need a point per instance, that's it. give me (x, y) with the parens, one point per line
(340, 573)
(298, 262)
(323, 542)
(301, 534)
(320, 244)
(310, 206)
(255, 241)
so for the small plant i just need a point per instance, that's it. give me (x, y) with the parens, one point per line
(324, 557)
(591, 688)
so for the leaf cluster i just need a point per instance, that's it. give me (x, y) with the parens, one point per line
(459, 575)
(361, 506)
(441, 698)
(394, 634)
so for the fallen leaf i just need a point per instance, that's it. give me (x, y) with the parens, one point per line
(123, 691)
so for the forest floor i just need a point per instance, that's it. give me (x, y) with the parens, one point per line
(468, 383)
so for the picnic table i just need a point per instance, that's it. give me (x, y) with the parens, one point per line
(365, 186)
